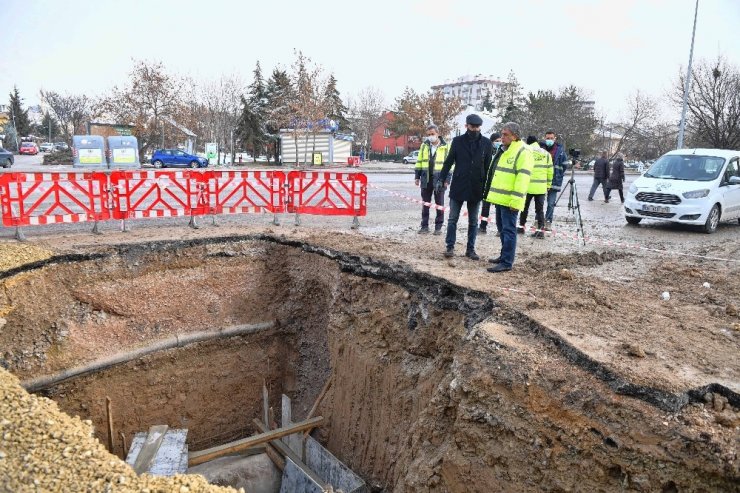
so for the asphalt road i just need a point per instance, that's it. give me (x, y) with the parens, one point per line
(391, 214)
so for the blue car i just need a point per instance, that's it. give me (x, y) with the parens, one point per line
(6, 158)
(163, 158)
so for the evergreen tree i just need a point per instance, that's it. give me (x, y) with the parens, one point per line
(510, 100)
(278, 113)
(335, 105)
(19, 116)
(48, 128)
(251, 126)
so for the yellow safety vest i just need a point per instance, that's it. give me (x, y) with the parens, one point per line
(511, 178)
(425, 152)
(542, 171)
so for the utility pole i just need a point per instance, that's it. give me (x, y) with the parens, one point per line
(687, 84)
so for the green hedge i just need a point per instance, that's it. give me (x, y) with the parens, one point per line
(58, 157)
(379, 156)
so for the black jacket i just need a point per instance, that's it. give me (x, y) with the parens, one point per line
(601, 168)
(617, 175)
(471, 157)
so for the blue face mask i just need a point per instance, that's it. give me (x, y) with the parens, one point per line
(549, 142)
(496, 145)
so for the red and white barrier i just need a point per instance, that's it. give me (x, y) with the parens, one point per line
(30, 199)
(327, 193)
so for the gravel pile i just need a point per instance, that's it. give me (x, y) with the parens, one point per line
(16, 254)
(44, 449)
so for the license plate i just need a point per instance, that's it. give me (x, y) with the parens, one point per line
(655, 208)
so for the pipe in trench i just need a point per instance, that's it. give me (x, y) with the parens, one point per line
(180, 340)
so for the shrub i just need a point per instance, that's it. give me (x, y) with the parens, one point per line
(58, 157)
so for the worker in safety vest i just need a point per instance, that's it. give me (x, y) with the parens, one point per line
(509, 190)
(539, 184)
(429, 163)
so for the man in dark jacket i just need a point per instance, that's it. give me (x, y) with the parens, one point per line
(557, 151)
(485, 209)
(601, 175)
(471, 154)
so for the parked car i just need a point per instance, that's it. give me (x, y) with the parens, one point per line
(29, 148)
(46, 147)
(6, 158)
(163, 158)
(688, 186)
(411, 158)
(61, 146)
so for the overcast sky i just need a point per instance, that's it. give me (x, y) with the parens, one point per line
(608, 47)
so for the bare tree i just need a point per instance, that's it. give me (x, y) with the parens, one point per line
(220, 104)
(72, 111)
(641, 109)
(414, 112)
(713, 104)
(150, 94)
(366, 112)
(310, 105)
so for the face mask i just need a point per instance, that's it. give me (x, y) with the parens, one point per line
(496, 145)
(549, 142)
(432, 138)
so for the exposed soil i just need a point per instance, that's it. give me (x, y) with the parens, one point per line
(581, 379)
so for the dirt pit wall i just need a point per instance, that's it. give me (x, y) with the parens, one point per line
(434, 387)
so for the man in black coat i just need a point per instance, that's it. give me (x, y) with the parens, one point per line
(471, 154)
(601, 175)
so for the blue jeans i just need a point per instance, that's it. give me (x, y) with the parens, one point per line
(552, 196)
(508, 234)
(473, 208)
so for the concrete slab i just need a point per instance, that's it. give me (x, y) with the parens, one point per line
(169, 458)
(296, 480)
(256, 473)
(331, 470)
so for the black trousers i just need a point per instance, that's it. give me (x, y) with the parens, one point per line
(539, 210)
(439, 199)
(609, 192)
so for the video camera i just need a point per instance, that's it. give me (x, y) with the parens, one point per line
(574, 153)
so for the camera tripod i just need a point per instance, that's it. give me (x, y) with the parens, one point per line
(574, 206)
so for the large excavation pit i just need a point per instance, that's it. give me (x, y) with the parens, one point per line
(434, 387)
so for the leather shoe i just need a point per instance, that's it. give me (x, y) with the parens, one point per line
(449, 253)
(472, 255)
(437, 231)
(498, 268)
(423, 231)
(496, 260)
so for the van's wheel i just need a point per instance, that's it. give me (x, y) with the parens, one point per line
(193, 164)
(633, 220)
(712, 220)
(158, 164)
(7, 164)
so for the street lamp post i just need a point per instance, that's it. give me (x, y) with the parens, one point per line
(687, 83)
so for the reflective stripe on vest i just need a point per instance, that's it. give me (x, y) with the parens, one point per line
(509, 188)
(541, 171)
(422, 161)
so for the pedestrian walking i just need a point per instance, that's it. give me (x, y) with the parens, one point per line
(539, 184)
(559, 156)
(616, 178)
(601, 175)
(432, 154)
(470, 154)
(486, 207)
(508, 191)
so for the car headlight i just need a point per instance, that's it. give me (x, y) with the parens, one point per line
(696, 194)
(632, 190)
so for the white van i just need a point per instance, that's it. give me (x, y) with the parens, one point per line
(700, 187)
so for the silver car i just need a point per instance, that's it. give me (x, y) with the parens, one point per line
(411, 158)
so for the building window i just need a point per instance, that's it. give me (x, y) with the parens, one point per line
(399, 150)
(386, 133)
(387, 150)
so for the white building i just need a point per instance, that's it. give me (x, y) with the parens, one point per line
(488, 127)
(471, 89)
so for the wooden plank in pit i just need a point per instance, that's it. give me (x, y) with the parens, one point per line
(202, 456)
(150, 448)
